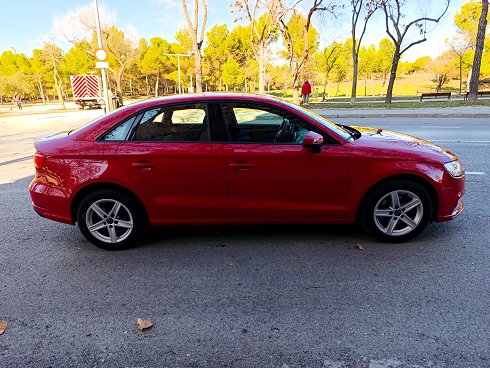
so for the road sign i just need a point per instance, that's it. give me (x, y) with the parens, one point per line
(102, 64)
(101, 55)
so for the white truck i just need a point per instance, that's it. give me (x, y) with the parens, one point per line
(87, 91)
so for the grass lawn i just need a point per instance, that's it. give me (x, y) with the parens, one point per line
(406, 94)
(407, 104)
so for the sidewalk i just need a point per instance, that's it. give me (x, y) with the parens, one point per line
(429, 112)
(358, 112)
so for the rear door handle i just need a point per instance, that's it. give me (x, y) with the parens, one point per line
(143, 165)
(242, 166)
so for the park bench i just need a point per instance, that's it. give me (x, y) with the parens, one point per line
(435, 95)
(479, 94)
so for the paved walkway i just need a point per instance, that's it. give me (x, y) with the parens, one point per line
(331, 112)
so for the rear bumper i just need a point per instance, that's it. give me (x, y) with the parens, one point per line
(50, 202)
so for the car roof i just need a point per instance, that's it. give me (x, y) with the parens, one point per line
(207, 96)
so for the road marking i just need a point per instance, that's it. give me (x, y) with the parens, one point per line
(26, 158)
(475, 173)
(441, 127)
(456, 141)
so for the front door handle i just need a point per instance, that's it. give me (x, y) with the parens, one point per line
(143, 165)
(242, 166)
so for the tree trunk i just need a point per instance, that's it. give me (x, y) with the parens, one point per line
(480, 43)
(391, 83)
(355, 69)
(198, 71)
(295, 86)
(118, 81)
(41, 89)
(261, 62)
(460, 74)
(157, 85)
(57, 84)
(295, 95)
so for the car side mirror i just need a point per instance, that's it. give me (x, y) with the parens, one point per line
(314, 141)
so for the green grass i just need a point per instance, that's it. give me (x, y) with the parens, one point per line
(407, 88)
(399, 105)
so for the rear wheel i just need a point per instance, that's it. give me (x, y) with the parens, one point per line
(397, 211)
(110, 220)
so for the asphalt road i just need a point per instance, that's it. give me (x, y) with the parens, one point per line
(282, 296)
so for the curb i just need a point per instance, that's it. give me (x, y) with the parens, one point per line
(399, 115)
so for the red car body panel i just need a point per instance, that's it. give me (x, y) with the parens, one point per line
(222, 182)
(178, 181)
(287, 182)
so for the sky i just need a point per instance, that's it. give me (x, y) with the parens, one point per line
(25, 24)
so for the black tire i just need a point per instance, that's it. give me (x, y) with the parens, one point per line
(110, 219)
(397, 211)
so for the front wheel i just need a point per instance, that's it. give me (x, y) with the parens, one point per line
(397, 211)
(110, 219)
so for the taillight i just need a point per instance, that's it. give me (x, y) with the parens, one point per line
(39, 160)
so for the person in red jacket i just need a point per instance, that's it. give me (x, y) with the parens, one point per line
(305, 92)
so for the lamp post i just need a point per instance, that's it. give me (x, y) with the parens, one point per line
(105, 91)
(178, 67)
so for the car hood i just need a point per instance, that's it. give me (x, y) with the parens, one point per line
(401, 146)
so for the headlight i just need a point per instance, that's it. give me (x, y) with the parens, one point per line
(455, 168)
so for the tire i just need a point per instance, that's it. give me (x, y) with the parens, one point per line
(110, 219)
(397, 211)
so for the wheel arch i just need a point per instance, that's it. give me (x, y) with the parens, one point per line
(75, 203)
(409, 177)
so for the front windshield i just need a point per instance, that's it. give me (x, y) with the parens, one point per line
(325, 122)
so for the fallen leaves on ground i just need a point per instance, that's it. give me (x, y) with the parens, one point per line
(143, 324)
(359, 247)
(3, 326)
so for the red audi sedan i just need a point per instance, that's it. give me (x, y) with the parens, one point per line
(239, 159)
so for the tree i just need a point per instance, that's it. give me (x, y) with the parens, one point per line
(122, 52)
(79, 26)
(300, 38)
(459, 45)
(263, 30)
(367, 9)
(386, 51)
(154, 61)
(184, 46)
(53, 55)
(467, 19)
(233, 74)
(39, 68)
(327, 61)
(77, 61)
(14, 69)
(443, 66)
(367, 65)
(480, 43)
(239, 48)
(421, 64)
(397, 31)
(216, 52)
(197, 37)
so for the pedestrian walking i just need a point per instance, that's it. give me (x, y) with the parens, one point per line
(17, 101)
(305, 92)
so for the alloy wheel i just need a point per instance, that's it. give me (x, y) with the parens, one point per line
(398, 213)
(109, 221)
